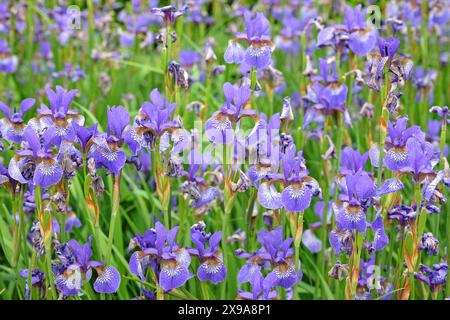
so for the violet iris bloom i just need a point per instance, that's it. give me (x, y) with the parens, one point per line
(275, 252)
(12, 125)
(326, 95)
(8, 62)
(169, 14)
(84, 136)
(195, 186)
(37, 163)
(361, 39)
(299, 187)
(75, 267)
(429, 244)
(261, 288)
(369, 281)
(380, 239)
(219, 128)
(168, 261)
(59, 115)
(351, 213)
(257, 34)
(37, 281)
(263, 146)
(212, 267)
(396, 155)
(107, 148)
(153, 120)
(354, 33)
(342, 240)
(434, 277)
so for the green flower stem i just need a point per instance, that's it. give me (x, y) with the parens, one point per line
(249, 219)
(31, 267)
(326, 199)
(167, 57)
(115, 206)
(227, 205)
(18, 228)
(352, 280)
(46, 232)
(296, 221)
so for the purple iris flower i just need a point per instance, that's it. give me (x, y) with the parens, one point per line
(59, 115)
(434, 277)
(37, 281)
(352, 161)
(37, 163)
(169, 14)
(388, 47)
(263, 146)
(219, 128)
(257, 34)
(354, 33)
(72, 221)
(369, 281)
(8, 62)
(421, 159)
(107, 148)
(261, 288)
(188, 58)
(361, 39)
(84, 135)
(380, 239)
(429, 244)
(212, 267)
(153, 120)
(442, 112)
(424, 82)
(195, 186)
(342, 240)
(326, 95)
(406, 215)
(299, 190)
(275, 252)
(311, 242)
(351, 213)
(169, 262)
(12, 125)
(396, 155)
(75, 267)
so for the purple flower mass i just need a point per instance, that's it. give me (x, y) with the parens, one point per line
(224, 150)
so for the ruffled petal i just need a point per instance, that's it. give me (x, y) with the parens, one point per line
(390, 186)
(296, 197)
(108, 280)
(212, 269)
(311, 242)
(47, 173)
(234, 52)
(258, 56)
(269, 197)
(173, 275)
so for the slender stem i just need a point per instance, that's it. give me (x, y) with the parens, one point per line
(350, 289)
(297, 231)
(30, 272)
(226, 211)
(115, 205)
(49, 273)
